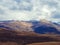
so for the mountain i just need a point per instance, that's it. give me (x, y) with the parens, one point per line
(28, 32)
(16, 25)
(43, 26)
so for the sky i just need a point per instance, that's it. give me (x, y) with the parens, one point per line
(30, 10)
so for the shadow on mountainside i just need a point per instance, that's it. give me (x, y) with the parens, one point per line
(46, 29)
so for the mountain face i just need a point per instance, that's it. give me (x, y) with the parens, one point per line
(44, 30)
(46, 27)
(41, 27)
(16, 26)
(28, 32)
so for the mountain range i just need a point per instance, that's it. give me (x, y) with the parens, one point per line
(27, 32)
(42, 27)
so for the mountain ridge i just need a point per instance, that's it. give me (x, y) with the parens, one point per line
(29, 25)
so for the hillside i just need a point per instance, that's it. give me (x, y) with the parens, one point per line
(24, 33)
(24, 38)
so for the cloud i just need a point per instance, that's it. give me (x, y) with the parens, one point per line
(56, 15)
(1, 11)
(30, 9)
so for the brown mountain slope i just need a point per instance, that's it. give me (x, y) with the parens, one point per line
(17, 25)
(21, 33)
(23, 38)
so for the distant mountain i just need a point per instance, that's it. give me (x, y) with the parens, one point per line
(28, 32)
(44, 27)
(41, 27)
(16, 25)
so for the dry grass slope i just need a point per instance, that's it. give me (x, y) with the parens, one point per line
(46, 43)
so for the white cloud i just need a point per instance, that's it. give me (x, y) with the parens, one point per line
(29, 9)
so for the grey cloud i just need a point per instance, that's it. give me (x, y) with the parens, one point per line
(22, 7)
(19, 1)
(12, 5)
(26, 8)
(56, 15)
(49, 3)
(2, 12)
(34, 8)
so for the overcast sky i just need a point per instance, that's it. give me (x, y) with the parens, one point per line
(30, 10)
